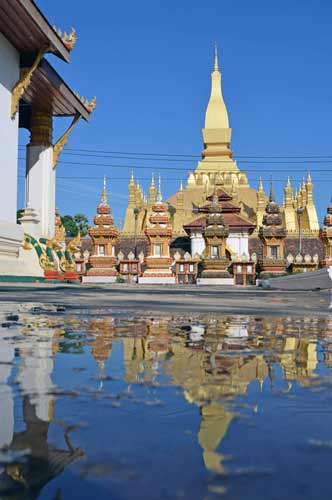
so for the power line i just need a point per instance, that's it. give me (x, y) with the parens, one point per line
(74, 151)
(125, 179)
(282, 160)
(156, 169)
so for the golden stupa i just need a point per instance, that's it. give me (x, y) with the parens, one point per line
(218, 166)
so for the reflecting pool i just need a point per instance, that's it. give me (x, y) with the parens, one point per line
(98, 404)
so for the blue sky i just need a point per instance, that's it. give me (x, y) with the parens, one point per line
(149, 65)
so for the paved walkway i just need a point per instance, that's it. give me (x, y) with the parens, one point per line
(170, 299)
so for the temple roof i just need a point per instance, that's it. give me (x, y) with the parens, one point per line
(48, 92)
(232, 220)
(28, 30)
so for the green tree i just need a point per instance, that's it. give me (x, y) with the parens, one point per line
(70, 225)
(19, 215)
(82, 223)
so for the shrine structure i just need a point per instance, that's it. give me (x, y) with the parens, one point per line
(273, 234)
(159, 233)
(326, 236)
(104, 238)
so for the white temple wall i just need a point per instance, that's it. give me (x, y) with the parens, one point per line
(238, 242)
(9, 74)
(197, 244)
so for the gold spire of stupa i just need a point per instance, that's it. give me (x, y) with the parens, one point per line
(216, 116)
(104, 193)
(159, 195)
(216, 65)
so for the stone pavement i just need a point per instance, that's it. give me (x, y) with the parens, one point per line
(134, 299)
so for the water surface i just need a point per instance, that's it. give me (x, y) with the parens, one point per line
(97, 404)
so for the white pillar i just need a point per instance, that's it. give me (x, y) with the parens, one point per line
(40, 188)
(39, 218)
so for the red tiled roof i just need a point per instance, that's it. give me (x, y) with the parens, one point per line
(231, 219)
(222, 195)
(227, 206)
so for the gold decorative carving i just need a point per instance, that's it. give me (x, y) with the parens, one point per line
(21, 86)
(89, 105)
(74, 244)
(69, 40)
(27, 245)
(60, 144)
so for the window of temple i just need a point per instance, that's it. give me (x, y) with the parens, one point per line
(249, 269)
(79, 268)
(181, 268)
(157, 250)
(101, 250)
(134, 267)
(214, 251)
(239, 268)
(125, 267)
(191, 268)
(273, 252)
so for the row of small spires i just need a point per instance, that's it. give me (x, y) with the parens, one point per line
(300, 195)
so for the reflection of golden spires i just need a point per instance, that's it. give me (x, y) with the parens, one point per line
(152, 180)
(104, 193)
(216, 65)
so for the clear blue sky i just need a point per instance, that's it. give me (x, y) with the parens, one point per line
(149, 65)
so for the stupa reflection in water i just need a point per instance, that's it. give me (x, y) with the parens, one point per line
(212, 359)
(215, 360)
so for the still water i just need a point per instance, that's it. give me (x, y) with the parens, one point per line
(100, 405)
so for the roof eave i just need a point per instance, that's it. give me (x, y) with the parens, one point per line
(42, 23)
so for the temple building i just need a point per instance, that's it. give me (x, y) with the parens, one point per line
(32, 94)
(248, 204)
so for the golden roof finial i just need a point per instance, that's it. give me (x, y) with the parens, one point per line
(288, 183)
(104, 193)
(271, 197)
(69, 40)
(181, 186)
(260, 186)
(216, 65)
(152, 180)
(309, 180)
(159, 195)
